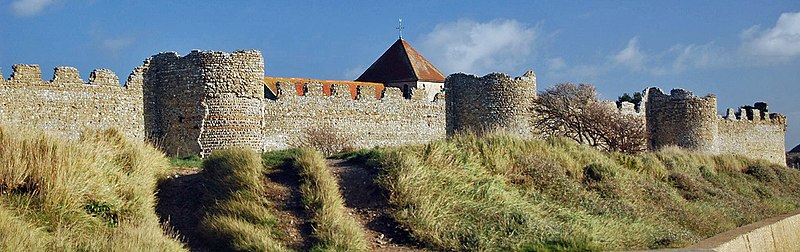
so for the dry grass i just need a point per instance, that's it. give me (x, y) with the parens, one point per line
(95, 194)
(236, 217)
(503, 192)
(334, 229)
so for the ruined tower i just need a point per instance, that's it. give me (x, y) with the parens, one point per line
(681, 119)
(492, 102)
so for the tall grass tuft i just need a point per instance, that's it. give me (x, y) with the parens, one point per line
(499, 191)
(334, 229)
(96, 193)
(236, 215)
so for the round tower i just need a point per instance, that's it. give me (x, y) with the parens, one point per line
(681, 119)
(204, 101)
(494, 102)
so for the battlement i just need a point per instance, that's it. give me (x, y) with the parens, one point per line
(31, 74)
(283, 88)
(689, 121)
(757, 113)
(66, 105)
(655, 94)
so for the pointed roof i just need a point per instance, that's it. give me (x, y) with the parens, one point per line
(796, 149)
(401, 62)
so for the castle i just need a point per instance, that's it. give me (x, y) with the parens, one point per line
(204, 101)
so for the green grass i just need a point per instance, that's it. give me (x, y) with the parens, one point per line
(188, 161)
(333, 228)
(236, 216)
(503, 192)
(94, 194)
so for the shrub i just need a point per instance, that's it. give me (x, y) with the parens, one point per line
(324, 138)
(575, 112)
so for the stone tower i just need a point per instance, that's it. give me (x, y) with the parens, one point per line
(489, 103)
(204, 101)
(681, 119)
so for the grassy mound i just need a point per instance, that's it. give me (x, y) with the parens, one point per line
(95, 194)
(236, 217)
(502, 192)
(334, 229)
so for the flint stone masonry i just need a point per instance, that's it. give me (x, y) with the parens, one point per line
(681, 119)
(389, 121)
(66, 106)
(691, 122)
(204, 101)
(489, 103)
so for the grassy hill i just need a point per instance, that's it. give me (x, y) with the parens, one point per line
(462, 193)
(473, 193)
(503, 192)
(95, 194)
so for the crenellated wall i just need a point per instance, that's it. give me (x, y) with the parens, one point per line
(205, 101)
(493, 102)
(688, 121)
(67, 106)
(681, 119)
(753, 132)
(368, 121)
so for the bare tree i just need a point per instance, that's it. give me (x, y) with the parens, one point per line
(325, 138)
(573, 111)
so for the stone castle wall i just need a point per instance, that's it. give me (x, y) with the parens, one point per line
(204, 101)
(691, 122)
(210, 100)
(367, 121)
(681, 119)
(66, 105)
(494, 101)
(760, 135)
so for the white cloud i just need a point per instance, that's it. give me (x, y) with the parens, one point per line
(114, 45)
(780, 43)
(473, 47)
(555, 64)
(354, 72)
(110, 45)
(676, 59)
(30, 7)
(631, 56)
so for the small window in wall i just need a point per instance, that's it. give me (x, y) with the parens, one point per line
(406, 92)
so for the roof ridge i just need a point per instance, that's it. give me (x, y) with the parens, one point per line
(403, 45)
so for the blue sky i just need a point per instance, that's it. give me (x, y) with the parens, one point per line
(742, 51)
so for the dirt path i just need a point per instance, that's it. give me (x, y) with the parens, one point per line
(369, 204)
(178, 201)
(282, 189)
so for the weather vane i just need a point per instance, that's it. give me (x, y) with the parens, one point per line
(400, 27)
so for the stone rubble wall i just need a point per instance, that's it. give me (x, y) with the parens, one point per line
(388, 121)
(681, 119)
(66, 106)
(691, 122)
(204, 101)
(760, 136)
(489, 103)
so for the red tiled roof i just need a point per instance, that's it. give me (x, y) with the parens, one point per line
(401, 62)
